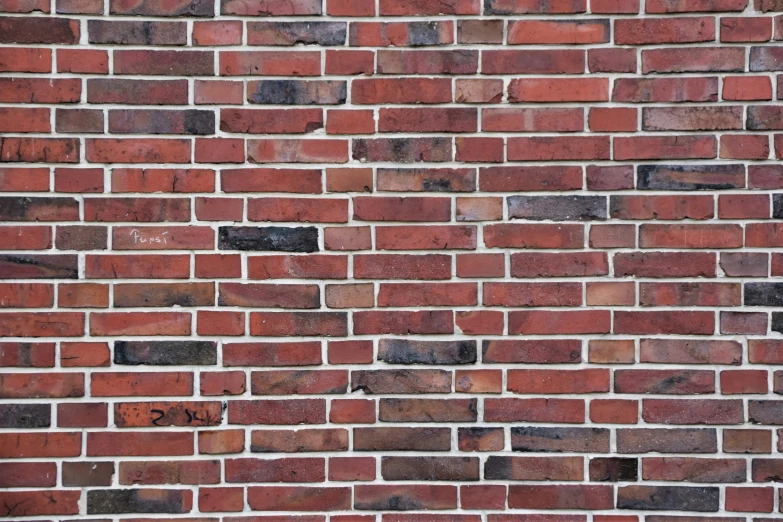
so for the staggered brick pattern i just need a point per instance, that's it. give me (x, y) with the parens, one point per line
(391, 260)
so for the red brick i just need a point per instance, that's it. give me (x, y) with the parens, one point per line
(209, 92)
(84, 354)
(612, 120)
(664, 30)
(139, 443)
(483, 497)
(350, 122)
(614, 411)
(558, 148)
(137, 150)
(217, 33)
(534, 236)
(559, 32)
(350, 352)
(221, 499)
(20, 59)
(560, 61)
(665, 147)
(82, 415)
(753, 499)
(352, 469)
(88, 61)
(40, 503)
(157, 384)
(559, 90)
(645, 323)
(349, 62)
(37, 445)
(549, 323)
(612, 60)
(743, 88)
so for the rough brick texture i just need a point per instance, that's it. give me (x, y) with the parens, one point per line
(391, 260)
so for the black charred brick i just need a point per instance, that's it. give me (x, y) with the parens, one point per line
(777, 322)
(674, 498)
(276, 239)
(25, 416)
(777, 206)
(424, 33)
(403, 351)
(579, 440)
(165, 353)
(614, 469)
(115, 501)
(39, 266)
(763, 294)
(690, 177)
(557, 208)
(14, 208)
(298, 92)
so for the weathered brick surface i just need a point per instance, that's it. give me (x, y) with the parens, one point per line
(391, 260)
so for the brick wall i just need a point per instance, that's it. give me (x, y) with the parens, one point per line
(391, 260)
